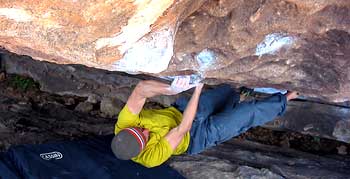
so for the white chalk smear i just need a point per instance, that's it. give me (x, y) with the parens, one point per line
(272, 43)
(18, 15)
(206, 59)
(147, 13)
(151, 54)
(270, 90)
(194, 78)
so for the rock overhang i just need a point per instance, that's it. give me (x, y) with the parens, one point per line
(288, 44)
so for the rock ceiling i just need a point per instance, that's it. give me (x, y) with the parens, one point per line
(299, 45)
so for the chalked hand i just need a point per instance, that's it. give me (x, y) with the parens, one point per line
(181, 83)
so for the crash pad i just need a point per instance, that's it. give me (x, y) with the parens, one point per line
(88, 158)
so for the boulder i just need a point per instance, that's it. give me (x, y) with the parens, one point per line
(315, 117)
(110, 107)
(233, 159)
(201, 166)
(84, 107)
(342, 130)
(301, 45)
(94, 84)
(227, 160)
(102, 34)
(298, 45)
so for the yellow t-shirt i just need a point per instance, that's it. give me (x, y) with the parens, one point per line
(159, 123)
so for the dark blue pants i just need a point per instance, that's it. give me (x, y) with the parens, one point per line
(220, 116)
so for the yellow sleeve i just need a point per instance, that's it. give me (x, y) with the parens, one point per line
(126, 119)
(155, 155)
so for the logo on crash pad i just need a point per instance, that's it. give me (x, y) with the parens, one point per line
(51, 155)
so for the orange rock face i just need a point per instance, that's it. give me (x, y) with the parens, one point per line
(96, 33)
(301, 45)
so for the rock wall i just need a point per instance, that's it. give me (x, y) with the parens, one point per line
(292, 44)
(103, 34)
(46, 119)
(78, 80)
(299, 45)
(309, 116)
(262, 161)
(316, 119)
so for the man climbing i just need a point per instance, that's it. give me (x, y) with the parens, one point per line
(151, 137)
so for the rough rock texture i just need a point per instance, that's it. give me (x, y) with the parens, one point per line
(48, 121)
(95, 84)
(29, 122)
(37, 118)
(342, 130)
(268, 162)
(84, 107)
(201, 166)
(316, 118)
(110, 107)
(94, 33)
(292, 44)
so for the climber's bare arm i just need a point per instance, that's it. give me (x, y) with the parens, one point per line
(143, 90)
(150, 88)
(175, 135)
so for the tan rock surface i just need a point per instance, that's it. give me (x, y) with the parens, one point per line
(95, 33)
(299, 45)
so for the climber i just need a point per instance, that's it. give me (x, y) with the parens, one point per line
(151, 137)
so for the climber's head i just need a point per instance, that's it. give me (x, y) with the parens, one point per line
(129, 142)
